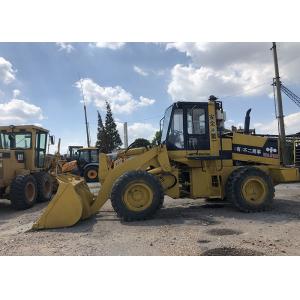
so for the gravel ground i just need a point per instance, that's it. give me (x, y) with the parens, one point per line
(181, 227)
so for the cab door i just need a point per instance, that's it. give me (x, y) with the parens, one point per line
(40, 151)
(196, 127)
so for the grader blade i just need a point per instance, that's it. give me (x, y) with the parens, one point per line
(71, 203)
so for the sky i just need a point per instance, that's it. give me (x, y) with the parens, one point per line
(41, 83)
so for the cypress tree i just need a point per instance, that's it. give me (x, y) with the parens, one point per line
(113, 137)
(101, 135)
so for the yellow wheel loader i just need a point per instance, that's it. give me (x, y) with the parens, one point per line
(197, 158)
(23, 175)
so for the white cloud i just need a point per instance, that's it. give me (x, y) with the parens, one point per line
(188, 48)
(7, 73)
(111, 45)
(137, 130)
(192, 83)
(67, 47)
(120, 100)
(225, 69)
(18, 111)
(140, 71)
(292, 125)
(16, 93)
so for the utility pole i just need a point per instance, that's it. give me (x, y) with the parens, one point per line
(125, 136)
(280, 115)
(85, 117)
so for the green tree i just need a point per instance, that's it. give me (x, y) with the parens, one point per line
(112, 134)
(101, 135)
(140, 142)
(157, 138)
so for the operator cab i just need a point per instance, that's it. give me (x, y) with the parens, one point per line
(73, 152)
(87, 156)
(186, 125)
(22, 139)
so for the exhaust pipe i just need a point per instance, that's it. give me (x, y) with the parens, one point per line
(247, 122)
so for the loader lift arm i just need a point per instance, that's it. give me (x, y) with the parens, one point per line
(74, 201)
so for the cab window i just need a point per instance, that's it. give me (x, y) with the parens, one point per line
(196, 121)
(197, 136)
(15, 140)
(84, 155)
(176, 136)
(94, 156)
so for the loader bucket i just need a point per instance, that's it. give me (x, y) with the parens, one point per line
(71, 203)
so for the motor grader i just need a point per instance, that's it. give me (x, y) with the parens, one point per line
(23, 173)
(197, 158)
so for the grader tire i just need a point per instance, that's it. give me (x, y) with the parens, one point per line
(44, 186)
(23, 192)
(137, 195)
(250, 189)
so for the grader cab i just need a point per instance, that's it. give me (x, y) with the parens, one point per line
(197, 158)
(23, 175)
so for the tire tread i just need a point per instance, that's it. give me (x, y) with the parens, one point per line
(116, 195)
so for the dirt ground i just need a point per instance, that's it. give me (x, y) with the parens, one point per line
(181, 227)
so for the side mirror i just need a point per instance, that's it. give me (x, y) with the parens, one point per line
(52, 139)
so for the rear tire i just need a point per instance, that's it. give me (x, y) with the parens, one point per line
(90, 174)
(44, 186)
(137, 195)
(250, 189)
(23, 192)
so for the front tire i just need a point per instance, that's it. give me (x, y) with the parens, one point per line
(250, 189)
(23, 192)
(44, 186)
(137, 195)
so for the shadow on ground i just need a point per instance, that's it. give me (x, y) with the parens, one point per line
(7, 212)
(204, 214)
(208, 213)
(189, 212)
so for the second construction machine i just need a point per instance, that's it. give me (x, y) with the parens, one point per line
(24, 165)
(197, 158)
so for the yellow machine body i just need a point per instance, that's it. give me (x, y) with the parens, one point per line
(28, 155)
(25, 165)
(19, 160)
(200, 171)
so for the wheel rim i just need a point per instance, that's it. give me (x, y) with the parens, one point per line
(92, 174)
(137, 196)
(30, 191)
(254, 190)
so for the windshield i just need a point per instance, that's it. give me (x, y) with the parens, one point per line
(84, 155)
(73, 151)
(13, 140)
(166, 124)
